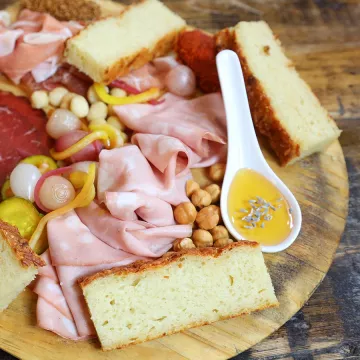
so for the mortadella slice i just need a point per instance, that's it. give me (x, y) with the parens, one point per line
(127, 205)
(127, 170)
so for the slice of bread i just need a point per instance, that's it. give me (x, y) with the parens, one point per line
(283, 107)
(114, 46)
(148, 300)
(18, 264)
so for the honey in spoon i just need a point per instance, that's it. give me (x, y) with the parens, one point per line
(257, 209)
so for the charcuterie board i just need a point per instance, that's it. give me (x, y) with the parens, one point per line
(319, 183)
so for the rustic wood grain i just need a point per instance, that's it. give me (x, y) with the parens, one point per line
(323, 38)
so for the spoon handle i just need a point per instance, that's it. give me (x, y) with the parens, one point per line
(243, 147)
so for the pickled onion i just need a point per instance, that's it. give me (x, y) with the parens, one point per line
(59, 171)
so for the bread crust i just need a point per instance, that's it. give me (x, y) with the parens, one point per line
(145, 265)
(127, 64)
(19, 246)
(264, 117)
(142, 266)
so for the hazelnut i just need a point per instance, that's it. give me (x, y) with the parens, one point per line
(191, 186)
(207, 218)
(217, 172)
(185, 213)
(219, 232)
(201, 198)
(182, 244)
(214, 191)
(222, 242)
(202, 238)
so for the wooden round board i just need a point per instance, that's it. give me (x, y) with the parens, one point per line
(321, 186)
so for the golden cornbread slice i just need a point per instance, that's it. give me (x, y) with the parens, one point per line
(18, 264)
(148, 300)
(283, 107)
(114, 46)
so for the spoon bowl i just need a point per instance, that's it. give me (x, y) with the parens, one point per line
(243, 147)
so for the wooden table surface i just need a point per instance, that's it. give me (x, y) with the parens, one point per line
(323, 39)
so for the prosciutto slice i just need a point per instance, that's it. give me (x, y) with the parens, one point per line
(151, 74)
(32, 40)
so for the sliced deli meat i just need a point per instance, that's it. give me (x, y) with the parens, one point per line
(178, 134)
(135, 237)
(127, 170)
(42, 38)
(134, 222)
(61, 307)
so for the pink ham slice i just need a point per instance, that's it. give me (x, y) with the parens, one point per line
(151, 74)
(178, 134)
(92, 239)
(135, 237)
(130, 205)
(61, 307)
(127, 170)
(26, 56)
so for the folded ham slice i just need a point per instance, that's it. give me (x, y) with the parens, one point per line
(127, 170)
(151, 74)
(135, 237)
(178, 134)
(42, 37)
(73, 253)
(96, 238)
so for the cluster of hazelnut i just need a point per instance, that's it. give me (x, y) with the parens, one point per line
(203, 213)
(92, 108)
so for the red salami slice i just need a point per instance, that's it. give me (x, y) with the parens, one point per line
(22, 132)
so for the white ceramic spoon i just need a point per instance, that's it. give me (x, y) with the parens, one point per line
(243, 147)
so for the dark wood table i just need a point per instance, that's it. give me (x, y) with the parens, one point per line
(323, 39)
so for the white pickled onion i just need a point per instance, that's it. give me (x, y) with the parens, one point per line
(89, 153)
(56, 192)
(181, 81)
(60, 171)
(61, 122)
(23, 180)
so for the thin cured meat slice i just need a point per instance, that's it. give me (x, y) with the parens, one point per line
(127, 205)
(66, 76)
(22, 132)
(34, 46)
(151, 74)
(61, 307)
(127, 170)
(50, 318)
(71, 243)
(178, 134)
(168, 154)
(199, 123)
(136, 237)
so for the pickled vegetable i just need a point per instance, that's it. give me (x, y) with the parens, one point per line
(6, 191)
(42, 162)
(20, 213)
